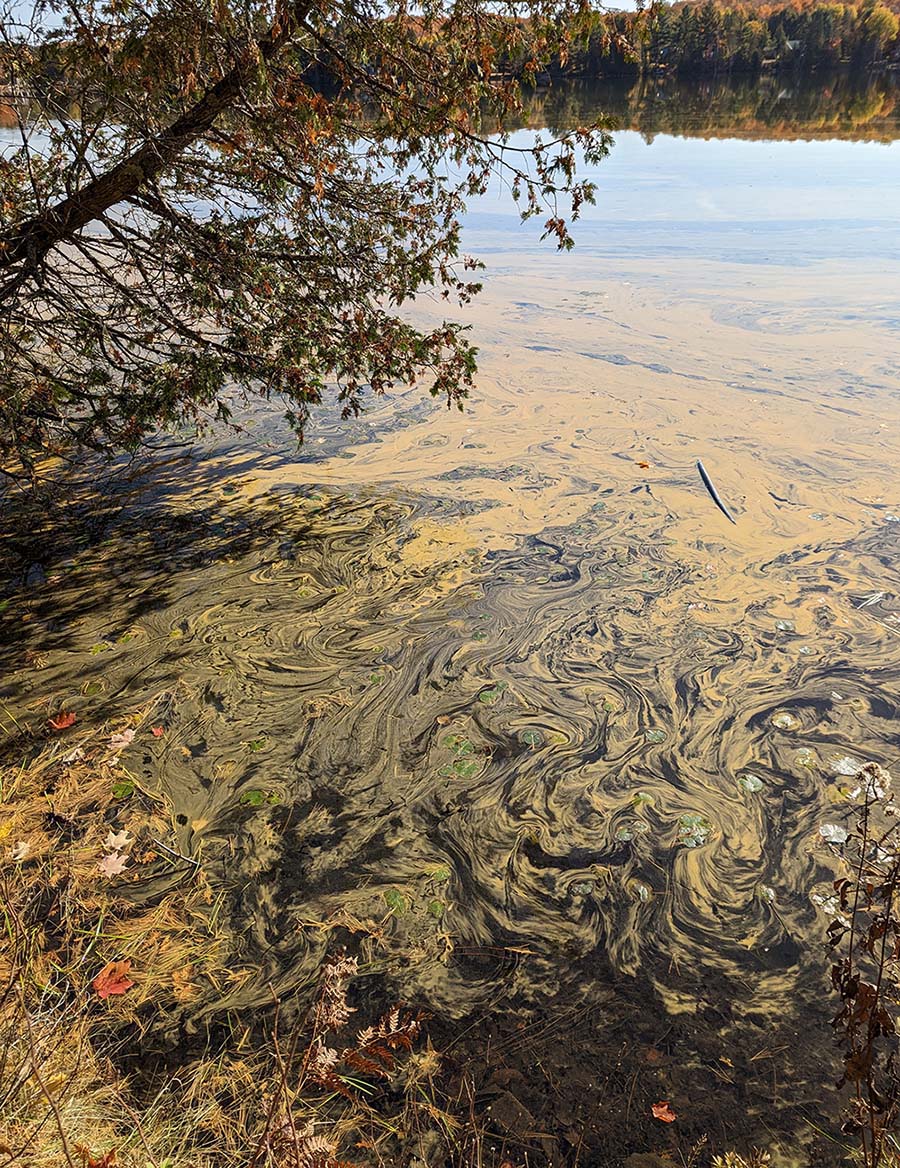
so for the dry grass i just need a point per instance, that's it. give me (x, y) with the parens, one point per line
(77, 1083)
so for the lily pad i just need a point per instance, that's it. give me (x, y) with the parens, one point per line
(628, 831)
(693, 830)
(654, 735)
(785, 721)
(641, 799)
(750, 783)
(123, 789)
(436, 909)
(491, 695)
(532, 738)
(254, 798)
(806, 757)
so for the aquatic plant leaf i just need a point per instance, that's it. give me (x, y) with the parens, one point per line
(395, 900)
(123, 789)
(440, 875)
(693, 830)
(113, 979)
(254, 798)
(654, 735)
(785, 626)
(628, 831)
(490, 695)
(63, 720)
(436, 909)
(833, 833)
(784, 721)
(846, 766)
(531, 737)
(750, 783)
(458, 744)
(113, 865)
(663, 1111)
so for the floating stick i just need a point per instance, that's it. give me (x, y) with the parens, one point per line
(707, 482)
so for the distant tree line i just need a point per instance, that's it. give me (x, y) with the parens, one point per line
(711, 38)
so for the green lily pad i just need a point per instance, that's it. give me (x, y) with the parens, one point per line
(440, 875)
(123, 789)
(491, 695)
(654, 735)
(531, 738)
(254, 798)
(436, 909)
(750, 783)
(480, 635)
(641, 799)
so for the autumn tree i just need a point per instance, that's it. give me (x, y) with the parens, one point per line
(202, 197)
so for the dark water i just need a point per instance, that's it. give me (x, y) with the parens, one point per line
(531, 724)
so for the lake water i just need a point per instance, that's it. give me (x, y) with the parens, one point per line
(527, 721)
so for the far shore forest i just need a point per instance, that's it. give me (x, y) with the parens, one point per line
(709, 39)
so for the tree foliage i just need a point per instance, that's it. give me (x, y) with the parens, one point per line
(200, 197)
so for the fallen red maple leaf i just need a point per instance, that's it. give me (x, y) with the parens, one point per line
(663, 1111)
(113, 979)
(107, 1160)
(157, 731)
(63, 720)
